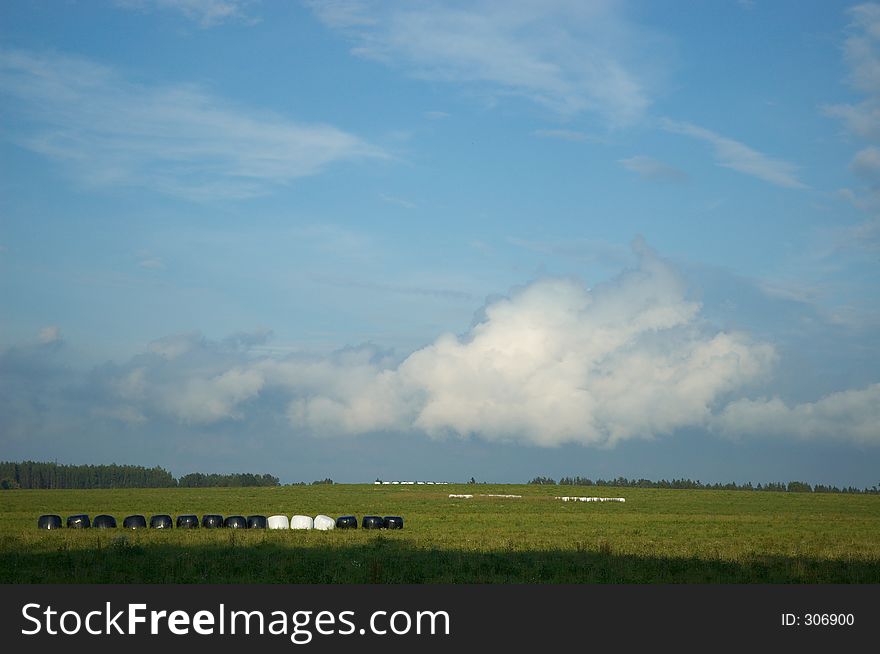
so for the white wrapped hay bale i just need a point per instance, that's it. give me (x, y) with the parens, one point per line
(279, 522)
(591, 499)
(302, 522)
(324, 522)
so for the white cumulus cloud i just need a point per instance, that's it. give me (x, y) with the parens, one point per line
(554, 363)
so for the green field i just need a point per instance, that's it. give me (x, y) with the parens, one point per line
(657, 536)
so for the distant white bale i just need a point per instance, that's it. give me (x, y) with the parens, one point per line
(461, 497)
(324, 522)
(591, 499)
(395, 482)
(495, 495)
(385, 483)
(377, 483)
(279, 522)
(302, 522)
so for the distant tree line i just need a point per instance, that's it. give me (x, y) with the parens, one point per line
(36, 474)
(690, 484)
(213, 480)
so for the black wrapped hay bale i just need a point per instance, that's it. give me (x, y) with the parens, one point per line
(256, 522)
(372, 522)
(79, 521)
(212, 521)
(187, 522)
(393, 522)
(346, 522)
(49, 522)
(235, 522)
(104, 521)
(134, 522)
(161, 521)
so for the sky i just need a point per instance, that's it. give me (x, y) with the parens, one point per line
(443, 240)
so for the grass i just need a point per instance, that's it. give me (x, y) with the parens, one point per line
(657, 536)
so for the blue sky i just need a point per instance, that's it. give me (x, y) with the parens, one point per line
(442, 240)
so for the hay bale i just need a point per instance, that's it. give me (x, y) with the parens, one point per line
(104, 521)
(302, 522)
(49, 522)
(134, 522)
(256, 522)
(372, 522)
(161, 521)
(79, 521)
(212, 521)
(324, 522)
(346, 522)
(279, 522)
(393, 522)
(187, 521)
(235, 522)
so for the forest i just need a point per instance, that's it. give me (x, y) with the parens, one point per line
(46, 475)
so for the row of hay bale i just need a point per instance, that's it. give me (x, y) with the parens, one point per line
(213, 521)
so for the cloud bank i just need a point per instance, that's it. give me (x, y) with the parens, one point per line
(555, 362)
(852, 415)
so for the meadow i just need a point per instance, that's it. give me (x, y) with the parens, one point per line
(656, 536)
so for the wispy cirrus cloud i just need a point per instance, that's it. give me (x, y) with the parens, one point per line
(397, 201)
(568, 56)
(151, 264)
(207, 13)
(653, 170)
(105, 130)
(436, 115)
(861, 120)
(572, 135)
(860, 52)
(738, 156)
